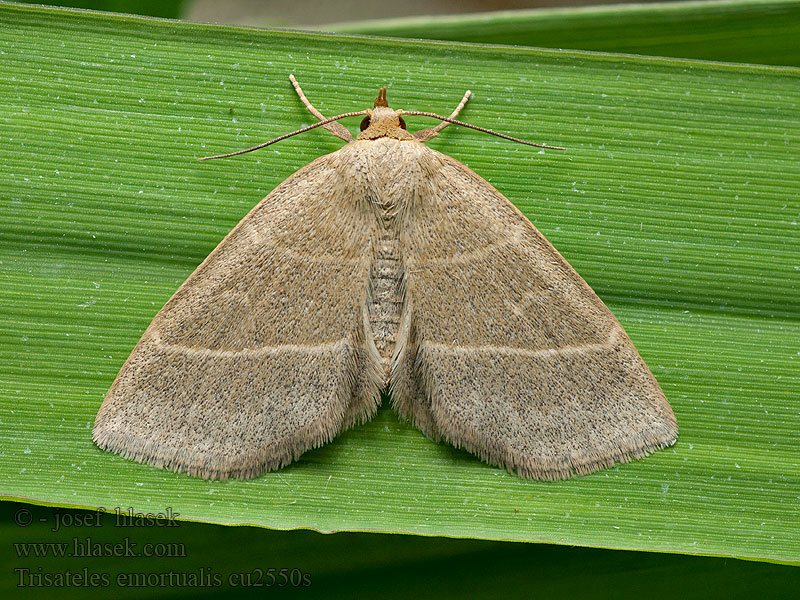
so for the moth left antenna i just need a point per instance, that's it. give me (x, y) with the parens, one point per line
(287, 135)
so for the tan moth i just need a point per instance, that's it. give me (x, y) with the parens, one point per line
(384, 265)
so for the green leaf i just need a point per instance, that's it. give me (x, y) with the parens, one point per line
(676, 200)
(747, 31)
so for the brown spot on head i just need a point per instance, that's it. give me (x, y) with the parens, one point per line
(382, 121)
(381, 99)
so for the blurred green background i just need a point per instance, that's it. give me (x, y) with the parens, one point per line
(267, 13)
(362, 565)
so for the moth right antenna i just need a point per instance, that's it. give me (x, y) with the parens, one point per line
(484, 130)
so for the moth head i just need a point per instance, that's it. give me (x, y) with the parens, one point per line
(382, 121)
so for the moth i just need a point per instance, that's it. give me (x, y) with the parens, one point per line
(384, 266)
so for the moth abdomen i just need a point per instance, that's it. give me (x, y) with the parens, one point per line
(386, 297)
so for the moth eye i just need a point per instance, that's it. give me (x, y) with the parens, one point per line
(402, 123)
(364, 123)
